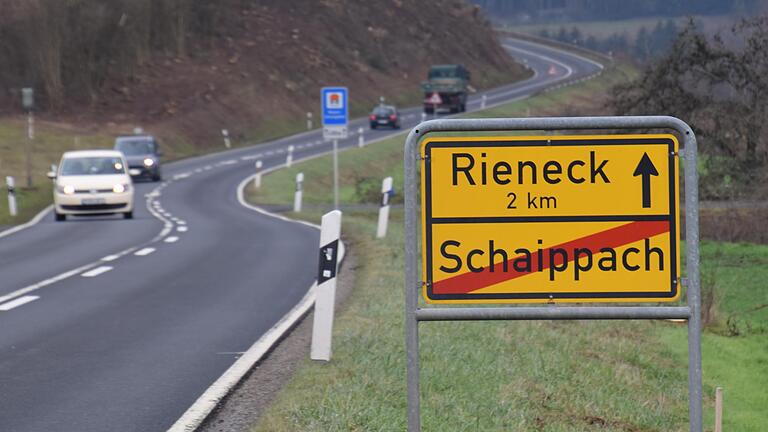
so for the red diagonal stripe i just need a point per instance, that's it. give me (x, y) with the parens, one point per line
(612, 238)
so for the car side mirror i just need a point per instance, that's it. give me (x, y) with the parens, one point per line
(51, 175)
(134, 172)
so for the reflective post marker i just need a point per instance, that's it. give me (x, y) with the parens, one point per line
(225, 134)
(322, 327)
(297, 194)
(386, 192)
(289, 158)
(423, 116)
(361, 138)
(336, 174)
(11, 183)
(482, 101)
(257, 177)
(309, 121)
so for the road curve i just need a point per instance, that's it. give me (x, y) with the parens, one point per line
(109, 324)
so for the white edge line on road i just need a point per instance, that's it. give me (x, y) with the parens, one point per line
(5, 307)
(194, 416)
(38, 217)
(207, 402)
(97, 271)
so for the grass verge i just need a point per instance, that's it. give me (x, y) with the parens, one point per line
(542, 376)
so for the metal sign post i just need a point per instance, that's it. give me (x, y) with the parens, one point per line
(648, 167)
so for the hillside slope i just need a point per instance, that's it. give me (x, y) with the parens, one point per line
(255, 70)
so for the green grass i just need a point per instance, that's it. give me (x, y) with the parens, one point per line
(537, 376)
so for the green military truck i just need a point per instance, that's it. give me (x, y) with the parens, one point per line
(446, 88)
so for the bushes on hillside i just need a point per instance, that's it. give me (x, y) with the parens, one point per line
(67, 48)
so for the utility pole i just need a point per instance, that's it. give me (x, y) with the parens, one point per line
(28, 102)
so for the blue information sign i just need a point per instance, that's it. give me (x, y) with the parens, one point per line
(334, 106)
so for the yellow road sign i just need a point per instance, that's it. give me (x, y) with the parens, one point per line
(550, 219)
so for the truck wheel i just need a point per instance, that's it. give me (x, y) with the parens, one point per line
(429, 110)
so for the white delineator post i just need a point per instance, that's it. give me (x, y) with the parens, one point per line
(289, 158)
(257, 177)
(361, 138)
(423, 116)
(297, 194)
(309, 121)
(386, 192)
(482, 101)
(225, 134)
(11, 183)
(322, 327)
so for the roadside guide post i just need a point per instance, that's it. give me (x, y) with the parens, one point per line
(386, 192)
(483, 100)
(423, 116)
(225, 134)
(360, 138)
(563, 219)
(11, 184)
(309, 121)
(257, 177)
(28, 102)
(334, 103)
(322, 326)
(297, 194)
(289, 157)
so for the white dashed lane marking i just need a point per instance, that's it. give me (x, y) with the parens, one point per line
(171, 239)
(144, 252)
(17, 302)
(181, 229)
(109, 258)
(97, 271)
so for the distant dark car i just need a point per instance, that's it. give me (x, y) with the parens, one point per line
(385, 115)
(143, 155)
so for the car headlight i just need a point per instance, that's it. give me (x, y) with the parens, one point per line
(66, 189)
(148, 162)
(119, 188)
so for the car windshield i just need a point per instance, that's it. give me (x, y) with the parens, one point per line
(92, 166)
(443, 73)
(383, 111)
(136, 147)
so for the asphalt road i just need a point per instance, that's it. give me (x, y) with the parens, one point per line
(111, 324)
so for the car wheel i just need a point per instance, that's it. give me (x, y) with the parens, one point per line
(429, 110)
(60, 217)
(373, 126)
(157, 177)
(128, 215)
(463, 107)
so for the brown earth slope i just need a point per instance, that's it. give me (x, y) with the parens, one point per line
(263, 66)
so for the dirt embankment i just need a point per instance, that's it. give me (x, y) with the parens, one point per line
(261, 68)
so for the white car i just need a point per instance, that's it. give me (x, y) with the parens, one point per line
(92, 182)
